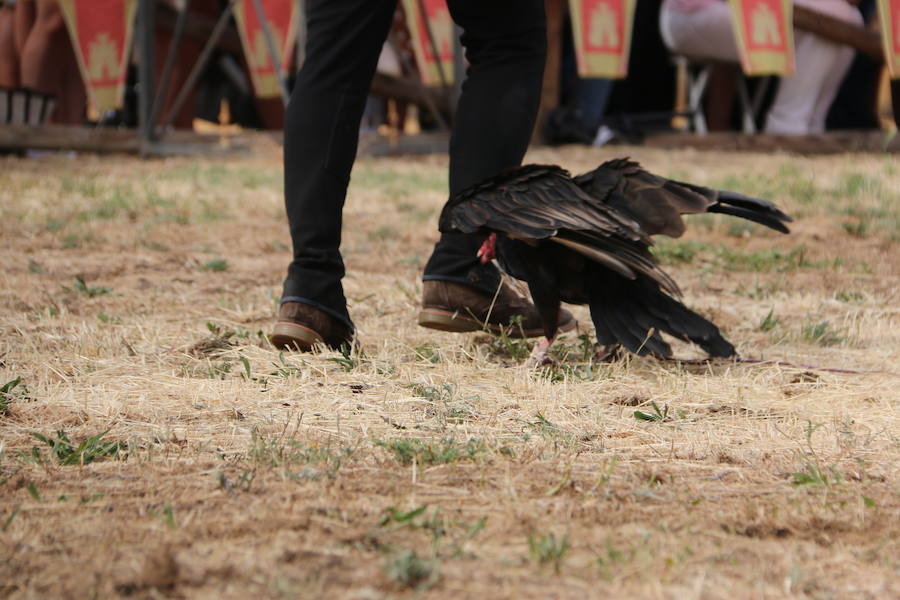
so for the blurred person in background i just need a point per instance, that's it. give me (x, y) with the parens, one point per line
(9, 54)
(47, 59)
(702, 29)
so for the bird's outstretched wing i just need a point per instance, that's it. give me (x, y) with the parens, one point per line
(541, 202)
(657, 203)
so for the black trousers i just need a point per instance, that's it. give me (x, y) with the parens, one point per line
(505, 43)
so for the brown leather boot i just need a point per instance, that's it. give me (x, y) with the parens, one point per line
(450, 306)
(301, 326)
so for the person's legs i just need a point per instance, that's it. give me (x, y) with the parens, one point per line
(802, 100)
(24, 20)
(49, 65)
(795, 102)
(843, 58)
(320, 141)
(705, 33)
(506, 47)
(9, 58)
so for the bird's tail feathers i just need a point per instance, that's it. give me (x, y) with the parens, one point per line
(634, 313)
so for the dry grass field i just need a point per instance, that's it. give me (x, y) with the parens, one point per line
(153, 445)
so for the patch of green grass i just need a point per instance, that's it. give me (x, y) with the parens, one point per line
(64, 451)
(573, 372)
(823, 334)
(439, 527)
(814, 475)
(276, 451)
(115, 202)
(673, 253)
(852, 185)
(351, 357)
(434, 393)
(740, 228)
(757, 291)
(429, 353)
(84, 185)
(216, 265)
(71, 241)
(80, 286)
(8, 520)
(415, 212)
(850, 297)
(517, 348)
(428, 452)
(33, 491)
(9, 392)
(769, 322)
(406, 568)
(765, 261)
(444, 403)
(285, 369)
(550, 430)
(383, 233)
(397, 185)
(547, 549)
(54, 225)
(860, 228)
(658, 415)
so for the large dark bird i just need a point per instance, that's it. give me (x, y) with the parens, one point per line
(586, 241)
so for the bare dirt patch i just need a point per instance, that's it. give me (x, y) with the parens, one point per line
(152, 443)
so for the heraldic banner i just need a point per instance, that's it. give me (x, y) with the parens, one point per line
(281, 16)
(889, 15)
(602, 33)
(441, 26)
(765, 35)
(101, 33)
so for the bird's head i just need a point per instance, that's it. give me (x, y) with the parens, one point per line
(488, 250)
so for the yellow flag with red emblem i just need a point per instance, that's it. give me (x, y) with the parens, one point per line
(101, 34)
(432, 36)
(764, 32)
(889, 15)
(281, 18)
(602, 33)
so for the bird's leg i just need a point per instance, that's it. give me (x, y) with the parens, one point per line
(540, 354)
(546, 301)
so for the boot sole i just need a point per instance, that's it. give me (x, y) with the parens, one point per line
(444, 320)
(291, 336)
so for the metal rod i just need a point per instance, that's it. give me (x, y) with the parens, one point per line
(301, 35)
(459, 67)
(166, 78)
(217, 32)
(146, 32)
(273, 52)
(424, 92)
(431, 42)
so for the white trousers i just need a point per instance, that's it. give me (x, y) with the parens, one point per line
(803, 99)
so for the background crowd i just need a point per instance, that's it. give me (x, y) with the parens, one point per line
(834, 87)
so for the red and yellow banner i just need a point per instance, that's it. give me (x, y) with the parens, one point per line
(602, 33)
(101, 33)
(440, 23)
(889, 15)
(282, 20)
(765, 35)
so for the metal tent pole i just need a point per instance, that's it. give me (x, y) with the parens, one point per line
(166, 78)
(146, 32)
(273, 52)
